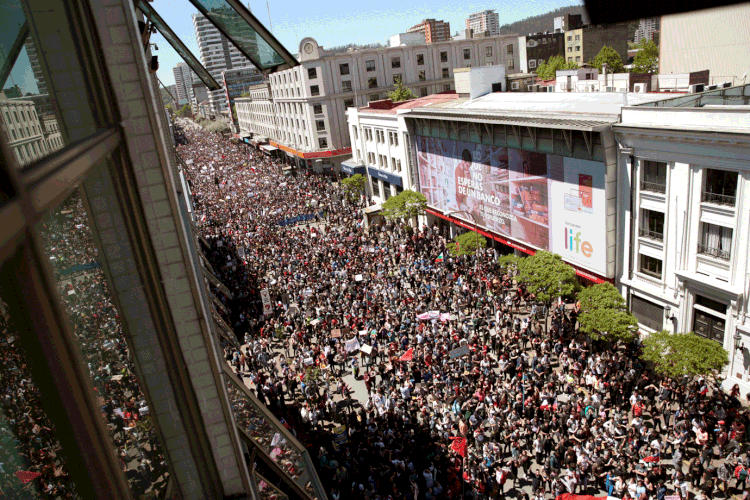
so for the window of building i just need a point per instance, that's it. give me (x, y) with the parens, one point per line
(446, 87)
(420, 59)
(716, 241)
(376, 187)
(578, 37)
(509, 49)
(720, 187)
(570, 49)
(647, 313)
(532, 64)
(467, 54)
(570, 38)
(355, 133)
(422, 75)
(650, 266)
(578, 58)
(372, 82)
(323, 143)
(314, 90)
(578, 48)
(349, 103)
(370, 65)
(488, 51)
(423, 92)
(511, 64)
(443, 56)
(446, 73)
(320, 125)
(395, 62)
(312, 73)
(396, 79)
(346, 85)
(398, 164)
(344, 69)
(654, 176)
(652, 225)
(570, 59)
(317, 109)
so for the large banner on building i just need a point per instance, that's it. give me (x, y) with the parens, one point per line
(549, 202)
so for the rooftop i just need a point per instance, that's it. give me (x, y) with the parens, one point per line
(737, 96)
(388, 107)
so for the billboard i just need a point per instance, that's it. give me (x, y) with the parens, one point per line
(549, 202)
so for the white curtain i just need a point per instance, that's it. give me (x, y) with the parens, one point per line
(726, 239)
(711, 235)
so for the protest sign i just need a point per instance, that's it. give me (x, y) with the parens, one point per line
(459, 351)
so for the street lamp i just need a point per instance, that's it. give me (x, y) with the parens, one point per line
(476, 231)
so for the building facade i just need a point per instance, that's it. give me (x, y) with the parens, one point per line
(583, 44)
(256, 114)
(647, 29)
(567, 22)
(536, 49)
(684, 191)
(434, 31)
(487, 21)
(310, 101)
(22, 130)
(715, 39)
(218, 54)
(183, 81)
(237, 82)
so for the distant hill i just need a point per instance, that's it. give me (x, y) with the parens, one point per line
(542, 22)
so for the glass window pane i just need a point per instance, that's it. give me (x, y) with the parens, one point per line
(88, 301)
(28, 442)
(245, 37)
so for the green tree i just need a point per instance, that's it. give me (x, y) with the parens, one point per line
(604, 314)
(467, 244)
(509, 262)
(647, 58)
(547, 277)
(548, 70)
(400, 93)
(354, 185)
(684, 354)
(184, 111)
(405, 205)
(216, 126)
(610, 56)
(170, 109)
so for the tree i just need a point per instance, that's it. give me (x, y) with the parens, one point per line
(684, 354)
(509, 262)
(547, 277)
(405, 205)
(610, 56)
(354, 185)
(548, 70)
(170, 109)
(647, 58)
(467, 244)
(400, 93)
(604, 314)
(216, 126)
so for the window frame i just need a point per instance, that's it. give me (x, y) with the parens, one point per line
(643, 267)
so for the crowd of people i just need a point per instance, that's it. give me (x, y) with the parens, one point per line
(529, 410)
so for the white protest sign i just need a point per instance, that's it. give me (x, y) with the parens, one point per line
(352, 345)
(266, 298)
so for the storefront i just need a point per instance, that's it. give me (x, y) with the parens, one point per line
(351, 167)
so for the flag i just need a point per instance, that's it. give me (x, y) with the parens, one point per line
(458, 247)
(459, 446)
(27, 476)
(408, 355)
(440, 258)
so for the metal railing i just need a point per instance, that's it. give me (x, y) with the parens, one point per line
(717, 198)
(714, 252)
(649, 233)
(654, 187)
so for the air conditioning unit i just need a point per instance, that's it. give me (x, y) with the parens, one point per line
(726, 85)
(639, 88)
(696, 87)
(710, 87)
(610, 89)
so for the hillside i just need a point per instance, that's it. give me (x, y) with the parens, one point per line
(542, 22)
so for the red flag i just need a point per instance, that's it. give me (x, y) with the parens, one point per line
(459, 446)
(27, 476)
(408, 355)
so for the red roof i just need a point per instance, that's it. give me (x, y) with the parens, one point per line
(386, 106)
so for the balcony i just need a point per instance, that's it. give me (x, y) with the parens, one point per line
(714, 252)
(654, 187)
(718, 199)
(651, 234)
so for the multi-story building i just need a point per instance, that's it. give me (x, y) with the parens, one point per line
(310, 101)
(237, 82)
(22, 130)
(35, 66)
(536, 49)
(183, 81)
(434, 31)
(716, 39)
(567, 22)
(583, 44)
(647, 29)
(199, 95)
(256, 115)
(487, 21)
(683, 191)
(218, 54)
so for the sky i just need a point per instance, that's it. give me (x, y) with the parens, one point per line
(338, 22)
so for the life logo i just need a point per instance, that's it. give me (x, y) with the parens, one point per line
(574, 243)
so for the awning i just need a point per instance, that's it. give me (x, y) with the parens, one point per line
(351, 167)
(268, 148)
(387, 177)
(373, 208)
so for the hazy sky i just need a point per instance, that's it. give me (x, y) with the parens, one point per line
(338, 22)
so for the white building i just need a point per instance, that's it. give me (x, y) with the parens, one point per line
(684, 191)
(415, 38)
(22, 130)
(256, 114)
(646, 30)
(485, 21)
(311, 100)
(183, 80)
(217, 54)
